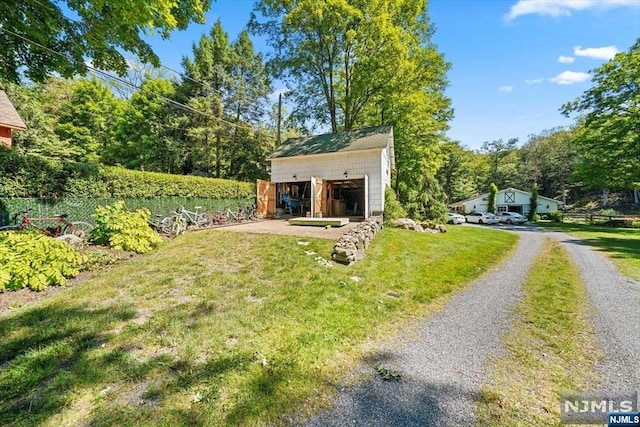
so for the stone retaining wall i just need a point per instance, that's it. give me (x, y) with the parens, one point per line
(351, 245)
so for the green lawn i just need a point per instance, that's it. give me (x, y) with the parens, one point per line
(551, 348)
(221, 328)
(621, 245)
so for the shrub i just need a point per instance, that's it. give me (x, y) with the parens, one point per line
(36, 261)
(609, 212)
(392, 207)
(533, 204)
(122, 229)
(555, 216)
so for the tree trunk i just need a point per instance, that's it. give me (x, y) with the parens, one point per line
(605, 198)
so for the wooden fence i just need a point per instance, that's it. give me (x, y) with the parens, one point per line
(595, 218)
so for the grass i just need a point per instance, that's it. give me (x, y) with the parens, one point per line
(621, 245)
(221, 328)
(551, 348)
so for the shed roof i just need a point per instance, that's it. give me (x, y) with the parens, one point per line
(361, 139)
(9, 117)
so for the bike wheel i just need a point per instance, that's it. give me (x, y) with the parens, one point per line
(79, 229)
(178, 225)
(205, 220)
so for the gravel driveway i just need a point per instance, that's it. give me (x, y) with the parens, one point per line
(616, 319)
(442, 369)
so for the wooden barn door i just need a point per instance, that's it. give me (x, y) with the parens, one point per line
(318, 191)
(266, 198)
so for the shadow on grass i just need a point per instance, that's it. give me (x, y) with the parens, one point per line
(52, 354)
(43, 356)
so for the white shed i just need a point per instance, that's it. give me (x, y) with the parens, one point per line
(331, 175)
(508, 200)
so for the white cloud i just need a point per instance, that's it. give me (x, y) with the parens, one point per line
(534, 81)
(605, 52)
(570, 77)
(505, 88)
(557, 8)
(566, 59)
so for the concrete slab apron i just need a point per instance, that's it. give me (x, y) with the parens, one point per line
(442, 370)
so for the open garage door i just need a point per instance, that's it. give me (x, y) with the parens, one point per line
(318, 197)
(266, 198)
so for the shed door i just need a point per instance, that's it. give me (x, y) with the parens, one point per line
(366, 196)
(318, 191)
(266, 198)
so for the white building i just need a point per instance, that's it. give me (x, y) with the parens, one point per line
(508, 200)
(331, 175)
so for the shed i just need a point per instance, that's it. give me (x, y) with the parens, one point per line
(330, 175)
(508, 200)
(9, 120)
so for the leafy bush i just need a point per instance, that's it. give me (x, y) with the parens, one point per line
(609, 212)
(122, 229)
(36, 261)
(555, 216)
(392, 207)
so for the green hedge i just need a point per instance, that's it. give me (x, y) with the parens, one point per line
(36, 176)
(126, 183)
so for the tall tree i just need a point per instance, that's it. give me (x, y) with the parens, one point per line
(533, 203)
(458, 172)
(548, 158)
(87, 117)
(342, 56)
(39, 138)
(503, 160)
(608, 134)
(208, 87)
(144, 130)
(229, 82)
(250, 87)
(101, 31)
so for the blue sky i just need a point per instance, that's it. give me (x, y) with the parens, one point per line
(513, 62)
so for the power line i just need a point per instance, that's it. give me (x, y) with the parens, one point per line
(118, 79)
(182, 75)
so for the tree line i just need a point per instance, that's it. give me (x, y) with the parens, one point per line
(600, 151)
(347, 64)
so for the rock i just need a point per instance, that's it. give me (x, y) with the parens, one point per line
(351, 246)
(71, 240)
(441, 228)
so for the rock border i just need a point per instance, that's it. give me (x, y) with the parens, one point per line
(351, 246)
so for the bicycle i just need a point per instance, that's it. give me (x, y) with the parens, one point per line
(238, 216)
(169, 226)
(197, 219)
(61, 225)
(254, 215)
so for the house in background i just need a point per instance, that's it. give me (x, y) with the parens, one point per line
(508, 200)
(331, 175)
(10, 120)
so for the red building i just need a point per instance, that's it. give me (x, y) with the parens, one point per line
(9, 120)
